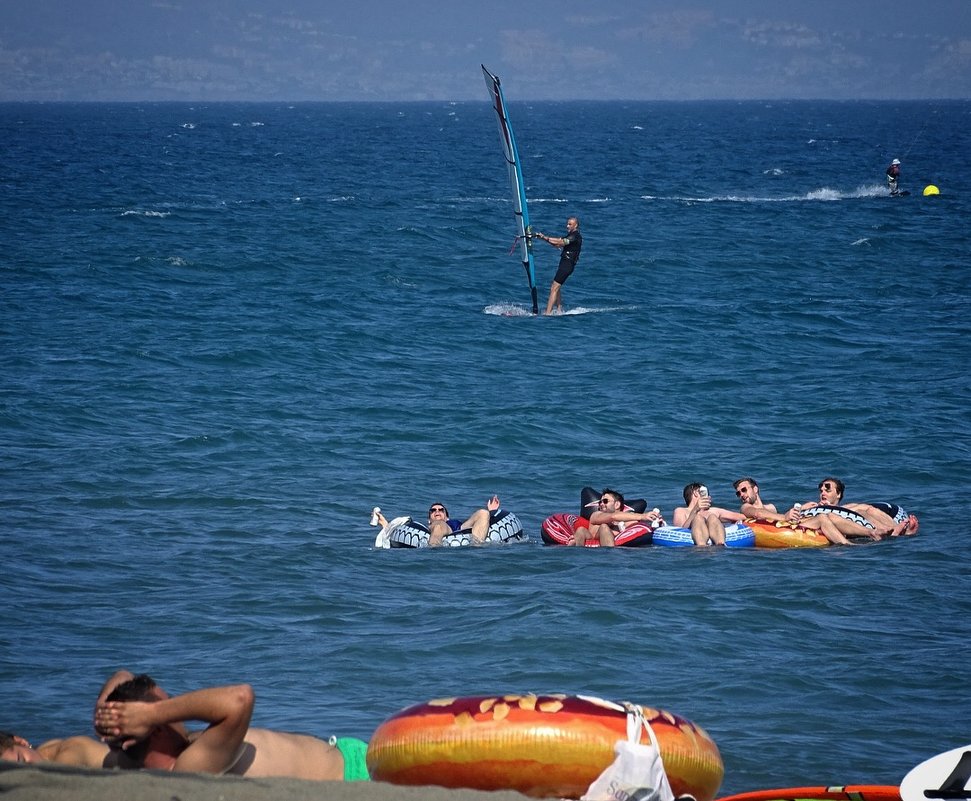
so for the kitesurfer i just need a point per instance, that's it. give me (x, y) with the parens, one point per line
(569, 256)
(893, 172)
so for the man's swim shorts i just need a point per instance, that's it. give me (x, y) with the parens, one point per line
(354, 752)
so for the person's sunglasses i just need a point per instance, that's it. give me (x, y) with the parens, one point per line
(436, 509)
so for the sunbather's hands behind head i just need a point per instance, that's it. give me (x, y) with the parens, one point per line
(124, 723)
(118, 677)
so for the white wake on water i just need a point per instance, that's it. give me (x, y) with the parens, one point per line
(824, 193)
(508, 310)
(519, 310)
(145, 213)
(594, 310)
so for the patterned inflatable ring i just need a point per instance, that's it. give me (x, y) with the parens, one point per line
(539, 745)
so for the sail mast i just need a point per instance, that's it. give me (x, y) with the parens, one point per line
(508, 140)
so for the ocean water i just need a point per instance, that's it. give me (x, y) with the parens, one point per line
(228, 331)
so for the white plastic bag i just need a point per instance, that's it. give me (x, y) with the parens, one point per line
(383, 540)
(637, 773)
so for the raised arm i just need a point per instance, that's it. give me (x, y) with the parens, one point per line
(750, 510)
(727, 515)
(598, 517)
(685, 515)
(555, 241)
(227, 710)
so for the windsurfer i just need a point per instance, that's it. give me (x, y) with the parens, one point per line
(570, 245)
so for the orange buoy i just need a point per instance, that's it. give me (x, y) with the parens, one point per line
(539, 745)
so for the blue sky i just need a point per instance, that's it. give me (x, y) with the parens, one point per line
(431, 49)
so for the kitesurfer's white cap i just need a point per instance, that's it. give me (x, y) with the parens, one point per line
(895, 161)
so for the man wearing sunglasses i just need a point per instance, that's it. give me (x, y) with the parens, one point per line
(609, 519)
(754, 508)
(835, 528)
(440, 524)
(888, 521)
(747, 491)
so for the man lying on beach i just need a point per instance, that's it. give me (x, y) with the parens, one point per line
(139, 717)
(79, 750)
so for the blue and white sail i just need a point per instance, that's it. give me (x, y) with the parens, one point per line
(524, 237)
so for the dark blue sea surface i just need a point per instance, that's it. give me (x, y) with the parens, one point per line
(228, 331)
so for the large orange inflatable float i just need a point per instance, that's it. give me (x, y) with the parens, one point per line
(848, 792)
(540, 745)
(785, 535)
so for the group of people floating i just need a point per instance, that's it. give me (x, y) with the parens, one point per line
(839, 522)
(825, 514)
(140, 726)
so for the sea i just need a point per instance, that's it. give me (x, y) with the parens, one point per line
(228, 331)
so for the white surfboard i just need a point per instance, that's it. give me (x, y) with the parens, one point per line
(944, 777)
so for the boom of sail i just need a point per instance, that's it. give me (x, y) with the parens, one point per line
(524, 237)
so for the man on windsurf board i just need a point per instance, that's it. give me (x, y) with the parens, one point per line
(570, 254)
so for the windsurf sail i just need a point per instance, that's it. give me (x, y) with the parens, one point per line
(524, 238)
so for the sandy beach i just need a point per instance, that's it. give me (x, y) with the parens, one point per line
(58, 783)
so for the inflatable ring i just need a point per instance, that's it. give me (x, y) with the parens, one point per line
(539, 745)
(842, 511)
(558, 529)
(737, 535)
(894, 511)
(899, 515)
(785, 535)
(503, 527)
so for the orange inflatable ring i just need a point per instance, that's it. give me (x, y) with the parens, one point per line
(539, 745)
(785, 535)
